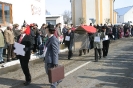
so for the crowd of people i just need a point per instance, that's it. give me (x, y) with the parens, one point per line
(39, 37)
(48, 38)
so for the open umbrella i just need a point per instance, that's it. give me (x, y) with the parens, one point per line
(89, 29)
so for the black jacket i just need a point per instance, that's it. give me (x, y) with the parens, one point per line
(28, 43)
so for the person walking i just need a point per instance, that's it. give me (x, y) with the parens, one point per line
(25, 39)
(52, 51)
(2, 44)
(69, 42)
(106, 41)
(98, 36)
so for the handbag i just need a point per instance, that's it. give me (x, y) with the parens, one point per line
(55, 74)
(62, 46)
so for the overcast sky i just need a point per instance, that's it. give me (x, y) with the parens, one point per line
(57, 7)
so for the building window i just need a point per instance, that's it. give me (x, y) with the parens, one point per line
(5, 13)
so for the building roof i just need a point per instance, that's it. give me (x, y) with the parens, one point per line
(122, 11)
(53, 15)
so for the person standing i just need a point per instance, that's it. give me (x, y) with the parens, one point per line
(64, 31)
(25, 39)
(35, 28)
(43, 31)
(69, 42)
(115, 32)
(32, 34)
(98, 36)
(73, 28)
(16, 31)
(2, 44)
(52, 51)
(106, 41)
(9, 36)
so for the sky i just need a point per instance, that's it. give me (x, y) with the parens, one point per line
(57, 7)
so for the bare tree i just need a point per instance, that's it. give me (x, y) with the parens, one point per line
(67, 17)
(82, 20)
(107, 21)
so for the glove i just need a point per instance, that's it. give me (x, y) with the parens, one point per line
(14, 48)
(25, 49)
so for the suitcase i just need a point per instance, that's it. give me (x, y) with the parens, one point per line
(55, 74)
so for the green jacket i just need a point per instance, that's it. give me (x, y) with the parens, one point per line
(2, 44)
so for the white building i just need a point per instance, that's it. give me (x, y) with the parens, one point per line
(99, 10)
(16, 11)
(55, 19)
(125, 14)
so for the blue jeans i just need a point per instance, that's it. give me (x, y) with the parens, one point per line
(1, 54)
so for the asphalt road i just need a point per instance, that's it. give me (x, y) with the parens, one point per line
(115, 71)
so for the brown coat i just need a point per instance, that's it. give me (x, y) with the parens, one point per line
(9, 36)
(2, 44)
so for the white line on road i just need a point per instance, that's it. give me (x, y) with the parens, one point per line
(68, 73)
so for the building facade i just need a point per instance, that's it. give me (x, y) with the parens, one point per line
(54, 19)
(16, 11)
(125, 15)
(100, 11)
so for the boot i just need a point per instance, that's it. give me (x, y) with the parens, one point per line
(88, 50)
(84, 50)
(80, 52)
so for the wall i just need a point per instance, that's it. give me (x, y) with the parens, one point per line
(106, 10)
(115, 17)
(78, 11)
(33, 11)
(120, 19)
(129, 16)
(90, 11)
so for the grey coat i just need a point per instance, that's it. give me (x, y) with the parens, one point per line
(99, 45)
(85, 42)
(52, 45)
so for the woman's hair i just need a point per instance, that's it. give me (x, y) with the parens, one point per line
(15, 25)
(57, 25)
(42, 25)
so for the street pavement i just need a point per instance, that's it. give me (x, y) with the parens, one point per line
(114, 71)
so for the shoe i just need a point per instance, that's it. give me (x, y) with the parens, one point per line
(2, 62)
(68, 58)
(96, 60)
(14, 58)
(80, 54)
(8, 60)
(27, 83)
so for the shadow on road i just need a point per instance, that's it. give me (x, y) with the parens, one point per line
(12, 83)
(119, 69)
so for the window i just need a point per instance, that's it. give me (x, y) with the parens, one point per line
(5, 13)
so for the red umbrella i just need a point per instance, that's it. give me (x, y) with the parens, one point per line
(89, 29)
